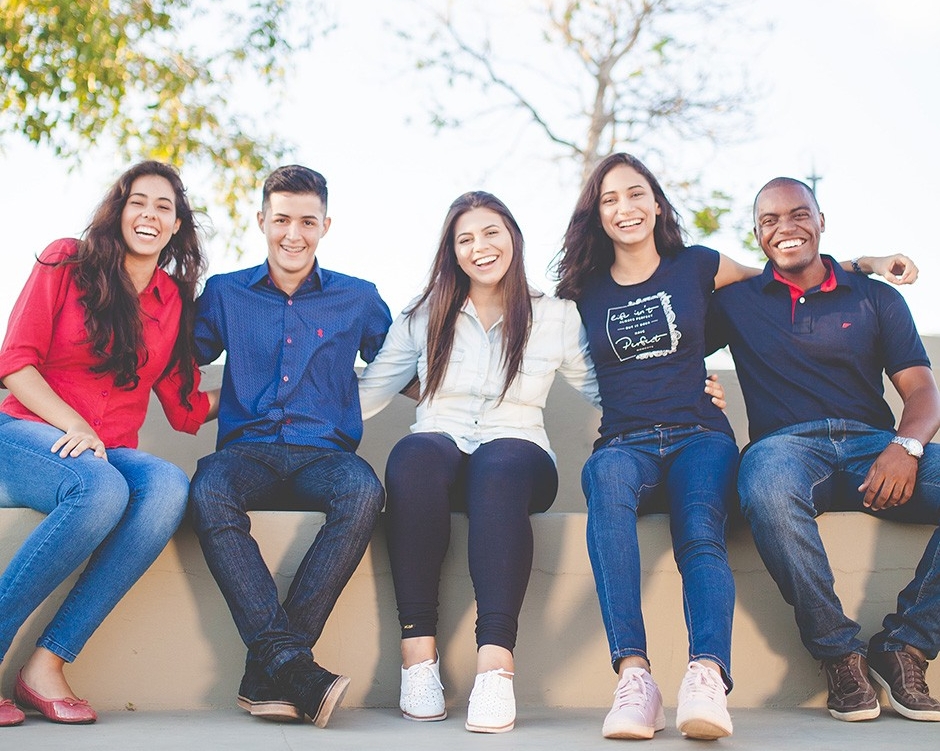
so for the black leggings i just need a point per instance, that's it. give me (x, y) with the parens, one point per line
(498, 486)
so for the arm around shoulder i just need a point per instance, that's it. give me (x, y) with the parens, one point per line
(392, 369)
(730, 271)
(577, 368)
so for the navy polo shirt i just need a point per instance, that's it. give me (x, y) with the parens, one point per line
(819, 355)
(290, 359)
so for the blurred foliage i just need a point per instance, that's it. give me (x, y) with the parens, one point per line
(160, 79)
(656, 78)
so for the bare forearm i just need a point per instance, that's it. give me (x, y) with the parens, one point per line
(31, 389)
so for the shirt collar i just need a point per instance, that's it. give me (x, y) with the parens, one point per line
(837, 277)
(161, 286)
(313, 282)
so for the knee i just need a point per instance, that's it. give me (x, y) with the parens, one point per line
(606, 480)
(209, 504)
(170, 495)
(360, 492)
(103, 491)
(761, 483)
(419, 453)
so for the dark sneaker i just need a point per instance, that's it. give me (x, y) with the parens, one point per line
(260, 697)
(901, 675)
(313, 689)
(851, 695)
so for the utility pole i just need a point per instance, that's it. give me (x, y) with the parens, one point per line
(813, 178)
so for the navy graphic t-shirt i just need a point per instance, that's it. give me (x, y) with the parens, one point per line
(647, 341)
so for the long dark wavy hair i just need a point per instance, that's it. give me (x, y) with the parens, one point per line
(587, 249)
(448, 287)
(112, 307)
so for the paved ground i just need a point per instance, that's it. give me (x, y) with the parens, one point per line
(383, 729)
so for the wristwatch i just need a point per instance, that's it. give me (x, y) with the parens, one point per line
(911, 445)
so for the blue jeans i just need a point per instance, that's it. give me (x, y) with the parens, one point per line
(790, 477)
(277, 476)
(692, 470)
(118, 513)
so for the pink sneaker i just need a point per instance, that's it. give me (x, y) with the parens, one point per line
(637, 711)
(703, 706)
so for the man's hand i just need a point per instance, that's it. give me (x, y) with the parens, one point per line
(716, 391)
(890, 481)
(897, 269)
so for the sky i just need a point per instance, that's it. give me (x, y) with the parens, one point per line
(845, 89)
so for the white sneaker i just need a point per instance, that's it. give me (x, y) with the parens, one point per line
(637, 711)
(703, 706)
(422, 693)
(492, 703)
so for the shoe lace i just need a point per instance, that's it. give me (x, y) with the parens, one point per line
(914, 672)
(631, 691)
(846, 678)
(701, 680)
(421, 677)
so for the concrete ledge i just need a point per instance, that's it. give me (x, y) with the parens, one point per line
(171, 644)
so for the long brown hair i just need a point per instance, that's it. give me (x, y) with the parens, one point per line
(587, 249)
(448, 287)
(112, 307)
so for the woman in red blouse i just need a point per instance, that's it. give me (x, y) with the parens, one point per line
(101, 321)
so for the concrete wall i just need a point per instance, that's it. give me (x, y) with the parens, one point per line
(171, 644)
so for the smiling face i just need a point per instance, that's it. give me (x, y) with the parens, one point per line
(293, 225)
(788, 225)
(628, 209)
(148, 219)
(483, 246)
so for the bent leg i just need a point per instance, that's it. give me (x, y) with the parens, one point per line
(158, 494)
(700, 484)
(226, 484)
(420, 475)
(614, 480)
(344, 487)
(784, 482)
(83, 498)
(507, 479)
(917, 619)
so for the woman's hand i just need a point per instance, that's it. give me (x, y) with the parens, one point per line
(78, 439)
(897, 269)
(716, 391)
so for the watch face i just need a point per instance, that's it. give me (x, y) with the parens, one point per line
(911, 445)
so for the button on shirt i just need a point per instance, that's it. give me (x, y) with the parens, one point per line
(47, 331)
(467, 406)
(290, 360)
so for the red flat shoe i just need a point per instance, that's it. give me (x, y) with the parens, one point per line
(71, 711)
(10, 714)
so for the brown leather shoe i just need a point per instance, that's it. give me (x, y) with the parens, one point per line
(851, 695)
(901, 675)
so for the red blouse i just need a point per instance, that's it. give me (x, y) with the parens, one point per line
(47, 331)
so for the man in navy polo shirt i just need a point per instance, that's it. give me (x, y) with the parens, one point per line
(810, 344)
(289, 426)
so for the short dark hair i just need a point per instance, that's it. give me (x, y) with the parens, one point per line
(293, 178)
(779, 182)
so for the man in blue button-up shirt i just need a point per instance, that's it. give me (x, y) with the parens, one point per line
(289, 426)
